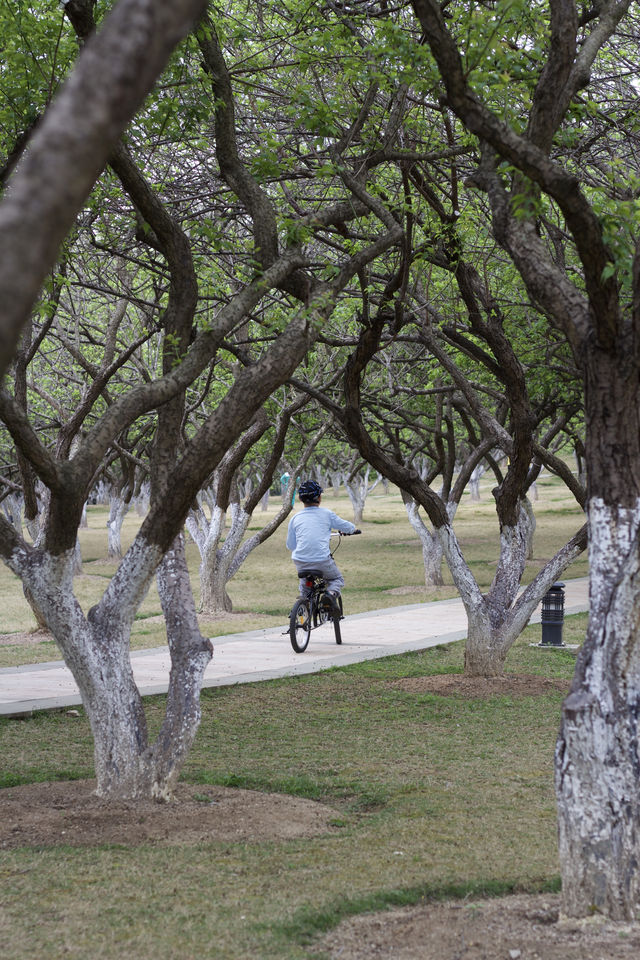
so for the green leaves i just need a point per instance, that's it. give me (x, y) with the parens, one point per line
(36, 52)
(619, 220)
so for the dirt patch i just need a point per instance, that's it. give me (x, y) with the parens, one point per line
(46, 814)
(509, 928)
(30, 638)
(457, 685)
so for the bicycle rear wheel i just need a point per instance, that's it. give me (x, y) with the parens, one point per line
(300, 625)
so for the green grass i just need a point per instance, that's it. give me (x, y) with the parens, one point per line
(433, 797)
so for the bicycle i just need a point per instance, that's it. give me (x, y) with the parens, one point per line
(317, 608)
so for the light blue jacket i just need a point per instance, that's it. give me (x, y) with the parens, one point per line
(308, 533)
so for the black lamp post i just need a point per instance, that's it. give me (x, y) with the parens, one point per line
(553, 616)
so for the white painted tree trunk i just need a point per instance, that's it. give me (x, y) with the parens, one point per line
(359, 489)
(96, 650)
(118, 509)
(211, 601)
(335, 477)
(33, 529)
(35, 525)
(432, 553)
(197, 525)
(216, 558)
(141, 501)
(497, 619)
(474, 482)
(190, 655)
(492, 629)
(13, 508)
(597, 754)
(529, 521)
(77, 559)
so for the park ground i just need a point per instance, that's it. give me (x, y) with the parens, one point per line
(388, 809)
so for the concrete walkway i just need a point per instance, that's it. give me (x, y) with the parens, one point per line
(265, 654)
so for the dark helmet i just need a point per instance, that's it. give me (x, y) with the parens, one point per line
(309, 491)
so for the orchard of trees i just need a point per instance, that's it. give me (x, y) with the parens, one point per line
(381, 242)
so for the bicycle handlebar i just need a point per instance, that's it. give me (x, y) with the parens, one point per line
(354, 533)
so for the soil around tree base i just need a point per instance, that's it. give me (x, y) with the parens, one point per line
(508, 928)
(69, 812)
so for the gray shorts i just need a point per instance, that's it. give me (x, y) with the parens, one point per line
(328, 569)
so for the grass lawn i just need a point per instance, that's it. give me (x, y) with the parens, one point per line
(433, 795)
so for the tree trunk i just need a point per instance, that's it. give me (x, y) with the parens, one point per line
(597, 754)
(432, 554)
(216, 560)
(492, 630)
(486, 648)
(190, 655)
(77, 560)
(12, 507)
(35, 524)
(118, 508)
(531, 524)
(214, 598)
(357, 491)
(474, 483)
(96, 650)
(497, 619)
(432, 560)
(35, 609)
(116, 714)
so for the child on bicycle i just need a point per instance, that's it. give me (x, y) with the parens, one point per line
(308, 538)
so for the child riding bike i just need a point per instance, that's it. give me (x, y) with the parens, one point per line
(308, 538)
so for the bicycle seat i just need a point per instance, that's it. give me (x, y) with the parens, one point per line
(310, 575)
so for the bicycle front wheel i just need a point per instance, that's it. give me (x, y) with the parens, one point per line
(300, 625)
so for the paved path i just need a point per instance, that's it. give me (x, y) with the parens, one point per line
(265, 654)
